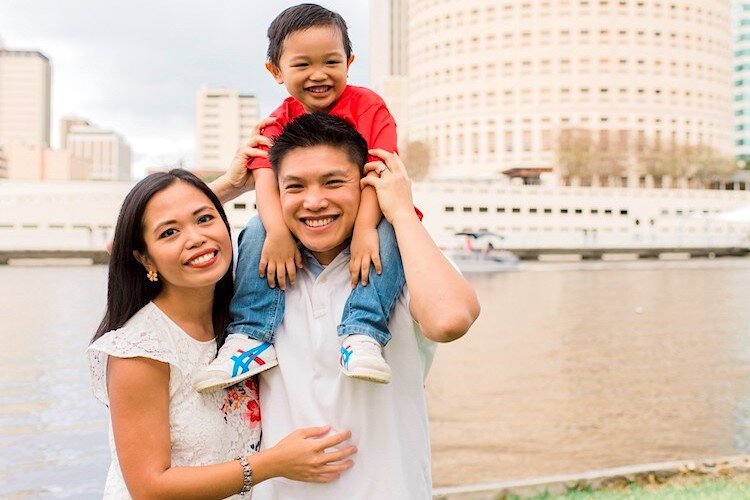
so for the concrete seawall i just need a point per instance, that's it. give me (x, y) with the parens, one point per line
(619, 477)
(91, 256)
(529, 254)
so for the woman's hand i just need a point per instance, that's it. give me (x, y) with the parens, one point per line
(238, 178)
(392, 184)
(302, 455)
(238, 174)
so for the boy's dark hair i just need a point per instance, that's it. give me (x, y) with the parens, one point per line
(301, 17)
(319, 129)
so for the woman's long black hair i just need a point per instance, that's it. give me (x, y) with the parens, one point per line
(128, 290)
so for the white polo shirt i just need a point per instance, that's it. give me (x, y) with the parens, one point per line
(388, 422)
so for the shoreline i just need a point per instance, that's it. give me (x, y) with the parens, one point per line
(100, 256)
(602, 479)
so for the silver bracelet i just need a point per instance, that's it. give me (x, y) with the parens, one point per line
(247, 474)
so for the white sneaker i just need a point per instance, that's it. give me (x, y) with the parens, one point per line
(362, 357)
(239, 358)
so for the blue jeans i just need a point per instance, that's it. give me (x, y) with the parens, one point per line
(257, 309)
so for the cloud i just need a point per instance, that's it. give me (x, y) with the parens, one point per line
(134, 66)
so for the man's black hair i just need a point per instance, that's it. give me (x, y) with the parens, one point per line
(319, 129)
(301, 17)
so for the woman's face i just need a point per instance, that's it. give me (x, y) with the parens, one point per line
(187, 242)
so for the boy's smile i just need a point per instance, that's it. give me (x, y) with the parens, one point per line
(313, 67)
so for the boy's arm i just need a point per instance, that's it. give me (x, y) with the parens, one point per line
(365, 246)
(280, 255)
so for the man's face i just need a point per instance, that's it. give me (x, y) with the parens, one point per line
(320, 192)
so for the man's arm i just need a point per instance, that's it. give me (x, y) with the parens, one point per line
(441, 300)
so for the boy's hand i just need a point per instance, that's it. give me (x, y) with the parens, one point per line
(365, 248)
(280, 257)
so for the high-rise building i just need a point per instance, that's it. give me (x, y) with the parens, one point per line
(741, 18)
(388, 39)
(25, 82)
(388, 58)
(496, 85)
(3, 165)
(67, 123)
(105, 150)
(224, 118)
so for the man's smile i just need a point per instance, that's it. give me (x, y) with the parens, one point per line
(319, 222)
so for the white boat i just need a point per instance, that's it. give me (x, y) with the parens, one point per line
(481, 255)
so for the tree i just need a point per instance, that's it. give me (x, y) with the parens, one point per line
(416, 158)
(576, 153)
(687, 161)
(580, 156)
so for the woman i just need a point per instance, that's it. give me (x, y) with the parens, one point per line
(169, 289)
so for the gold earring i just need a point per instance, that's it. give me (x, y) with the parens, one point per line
(152, 275)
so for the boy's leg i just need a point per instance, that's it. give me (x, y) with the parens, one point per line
(364, 324)
(256, 308)
(256, 311)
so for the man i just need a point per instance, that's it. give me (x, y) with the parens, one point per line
(320, 163)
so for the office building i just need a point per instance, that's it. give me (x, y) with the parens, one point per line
(224, 118)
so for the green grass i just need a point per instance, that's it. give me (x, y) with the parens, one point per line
(720, 489)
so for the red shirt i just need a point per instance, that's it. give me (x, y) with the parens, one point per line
(361, 107)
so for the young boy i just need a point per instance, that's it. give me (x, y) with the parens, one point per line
(309, 51)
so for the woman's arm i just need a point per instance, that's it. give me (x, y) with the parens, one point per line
(441, 300)
(138, 391)
(238, 179)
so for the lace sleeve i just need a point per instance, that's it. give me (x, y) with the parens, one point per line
(126, 343)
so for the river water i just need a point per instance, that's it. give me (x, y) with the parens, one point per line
(570, 367)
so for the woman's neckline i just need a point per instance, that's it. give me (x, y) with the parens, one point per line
(179, 328)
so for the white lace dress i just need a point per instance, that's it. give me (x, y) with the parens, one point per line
(204, 428)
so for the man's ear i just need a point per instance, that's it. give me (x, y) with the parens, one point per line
(350, 61)
(275, 72)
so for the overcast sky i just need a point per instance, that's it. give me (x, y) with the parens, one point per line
(134, 65)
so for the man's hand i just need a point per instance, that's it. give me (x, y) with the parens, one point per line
(280, 257)
(392, 184)
(365, 249)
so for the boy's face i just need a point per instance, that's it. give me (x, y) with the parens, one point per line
(313, 67)
(320, 192)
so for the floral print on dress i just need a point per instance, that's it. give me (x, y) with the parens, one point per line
(243, 397)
